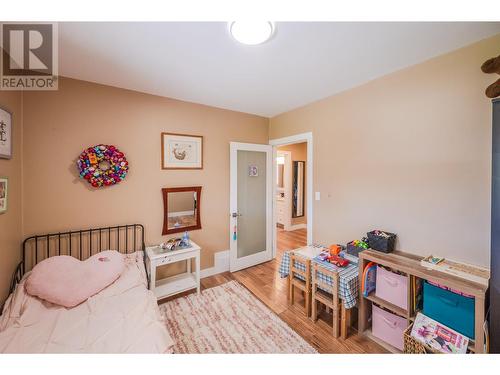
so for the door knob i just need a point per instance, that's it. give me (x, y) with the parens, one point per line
(236, 214)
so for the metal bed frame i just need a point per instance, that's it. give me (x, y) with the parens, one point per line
(81, 244)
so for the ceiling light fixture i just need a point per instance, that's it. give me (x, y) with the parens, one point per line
(251, 32)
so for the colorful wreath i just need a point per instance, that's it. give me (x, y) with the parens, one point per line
(102, 165)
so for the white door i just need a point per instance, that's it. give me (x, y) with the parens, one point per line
(250, 205)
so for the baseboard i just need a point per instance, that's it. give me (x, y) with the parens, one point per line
(297, 226)
(221, 264)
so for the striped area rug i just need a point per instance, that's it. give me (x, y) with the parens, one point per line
(228, 319)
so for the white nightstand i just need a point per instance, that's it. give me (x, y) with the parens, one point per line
(163, 288)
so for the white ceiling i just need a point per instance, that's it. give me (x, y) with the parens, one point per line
(303, 62)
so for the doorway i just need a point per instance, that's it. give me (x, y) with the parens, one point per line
(292, 192)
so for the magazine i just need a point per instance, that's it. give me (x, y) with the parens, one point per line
(437, 336)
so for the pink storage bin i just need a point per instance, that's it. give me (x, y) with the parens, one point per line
(392, 287)
(388, 327)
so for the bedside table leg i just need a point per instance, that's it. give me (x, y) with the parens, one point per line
(188, 265)
(198, 273)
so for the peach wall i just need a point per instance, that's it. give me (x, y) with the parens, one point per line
(59, 125)
(410, 153)
(11, 221)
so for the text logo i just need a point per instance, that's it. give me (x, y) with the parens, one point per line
(29, 56)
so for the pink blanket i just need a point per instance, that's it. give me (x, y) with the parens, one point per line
(122, 318)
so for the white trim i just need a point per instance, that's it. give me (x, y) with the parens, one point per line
(287, 178)
(297, 226)
(221, 264)
(236, 263)
(297, 138)
(181, 213)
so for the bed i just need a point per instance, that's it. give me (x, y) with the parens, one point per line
(122, 318)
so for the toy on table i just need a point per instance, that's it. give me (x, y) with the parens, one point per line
(338, 261)
(381, 233)
(323, 256)
(335, 249)
(185, 238)
(335, 259)
(176, 243)
(360, 243)
(357, 246)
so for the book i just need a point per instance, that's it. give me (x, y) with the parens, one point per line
(432, 260)
(437, 336)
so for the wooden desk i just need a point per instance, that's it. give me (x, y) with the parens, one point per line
(410, 265)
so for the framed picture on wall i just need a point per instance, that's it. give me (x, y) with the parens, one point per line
(3, 194)
(5, 134)
(181, 151)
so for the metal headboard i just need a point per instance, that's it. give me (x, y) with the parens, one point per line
(81, 244)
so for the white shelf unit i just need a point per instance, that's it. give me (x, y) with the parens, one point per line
(163, 288)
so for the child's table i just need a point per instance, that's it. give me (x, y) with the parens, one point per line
(348, 276)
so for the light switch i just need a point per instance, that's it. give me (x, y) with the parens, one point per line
(317, 195)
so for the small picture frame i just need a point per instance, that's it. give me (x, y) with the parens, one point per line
(181, 151)
(4, 186)
(253, 171)
(5, 134)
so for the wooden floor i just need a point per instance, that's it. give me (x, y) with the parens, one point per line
(265, 283)
(289, 240)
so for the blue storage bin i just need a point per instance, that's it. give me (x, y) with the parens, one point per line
(450, 309)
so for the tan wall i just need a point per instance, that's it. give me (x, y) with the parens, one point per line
(409, 153)
(11, 221)
(59, 125)
(298, 150)
(299, 153)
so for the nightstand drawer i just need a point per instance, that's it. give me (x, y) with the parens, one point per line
(165, 260)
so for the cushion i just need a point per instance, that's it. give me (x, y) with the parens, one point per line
(67, 281)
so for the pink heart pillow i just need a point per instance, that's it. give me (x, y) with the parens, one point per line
(67, 281)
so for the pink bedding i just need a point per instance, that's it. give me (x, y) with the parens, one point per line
(122, 318)
(67, 281)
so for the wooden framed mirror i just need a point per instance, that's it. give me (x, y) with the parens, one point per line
(181, 209)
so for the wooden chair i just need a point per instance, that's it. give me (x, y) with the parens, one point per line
(328, 296)
(295, 282)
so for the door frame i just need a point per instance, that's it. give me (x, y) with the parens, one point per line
(233, 203)
(297, 138)
(287, 176)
